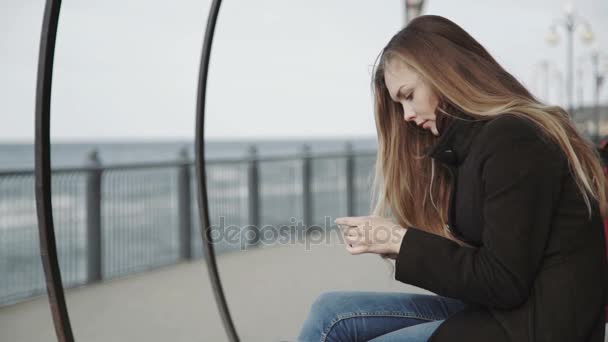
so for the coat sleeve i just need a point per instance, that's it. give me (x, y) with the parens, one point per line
(521, 182)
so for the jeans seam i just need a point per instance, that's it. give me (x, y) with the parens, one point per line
(373, 314)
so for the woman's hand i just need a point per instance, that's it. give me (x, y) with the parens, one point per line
(371, 234)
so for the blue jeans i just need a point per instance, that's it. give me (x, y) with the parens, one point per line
(376, 316)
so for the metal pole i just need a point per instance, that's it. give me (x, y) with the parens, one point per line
(350, 180)
(184, 206)
(306, 188)
(413, 8)
(597, 78)
(93, 209)
(253, 183)
(545, 66)
(560, 88)
(579, 88)
(570, 52)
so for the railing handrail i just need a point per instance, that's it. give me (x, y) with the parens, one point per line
(176, 163)
(86, 200)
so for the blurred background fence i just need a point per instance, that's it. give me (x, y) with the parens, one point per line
(115, 220)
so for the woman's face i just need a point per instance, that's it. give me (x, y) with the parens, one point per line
(415, 96)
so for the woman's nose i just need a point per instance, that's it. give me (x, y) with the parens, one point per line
(408, 114)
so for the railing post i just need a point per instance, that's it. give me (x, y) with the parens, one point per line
(306, 188)
(93, 215)
(350, 180)
(253, 183)
(184, 205)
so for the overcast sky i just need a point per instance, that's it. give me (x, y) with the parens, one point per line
(127, 70)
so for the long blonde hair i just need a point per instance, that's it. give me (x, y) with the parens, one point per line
(407, 186)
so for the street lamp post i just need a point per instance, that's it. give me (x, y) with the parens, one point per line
(540, 79)
(571, 21)
(545, 67)
(547, 80)
(598, 78)
(413, 8)
(579, 86)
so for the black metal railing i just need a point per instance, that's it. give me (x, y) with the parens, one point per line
(115, 220)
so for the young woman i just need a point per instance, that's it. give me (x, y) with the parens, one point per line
(491, 200)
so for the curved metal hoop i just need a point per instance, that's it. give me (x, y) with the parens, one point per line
(200, 175)
(44, 208)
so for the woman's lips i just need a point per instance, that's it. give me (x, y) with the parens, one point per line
(423, 126)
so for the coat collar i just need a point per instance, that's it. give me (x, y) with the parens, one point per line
(453, 145)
